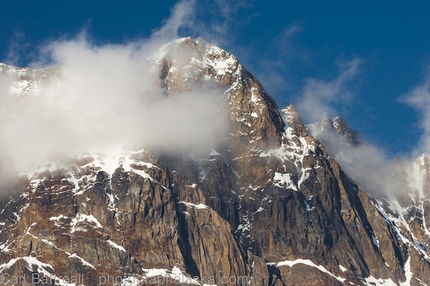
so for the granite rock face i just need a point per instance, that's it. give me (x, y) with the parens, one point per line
(269, 206)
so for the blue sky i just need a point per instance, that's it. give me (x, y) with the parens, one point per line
(363, 55)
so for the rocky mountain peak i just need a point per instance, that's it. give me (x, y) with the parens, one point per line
(254, 117)
(328, 126)
(269, 206)
(292, 118)
(343, 129)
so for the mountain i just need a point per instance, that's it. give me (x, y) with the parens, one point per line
(268, 205)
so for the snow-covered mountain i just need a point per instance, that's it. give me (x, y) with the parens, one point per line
(268, 205)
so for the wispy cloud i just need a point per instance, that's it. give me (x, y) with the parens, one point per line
(273, 68)
(283, 42)
(419, 98)
(182, 16)
(222, 25)
(320, 96)
(17, 47)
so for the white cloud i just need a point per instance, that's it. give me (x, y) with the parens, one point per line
(106, 96)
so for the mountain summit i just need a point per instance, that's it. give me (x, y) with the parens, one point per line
(266, 206)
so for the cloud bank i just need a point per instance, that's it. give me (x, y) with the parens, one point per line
(101, 96)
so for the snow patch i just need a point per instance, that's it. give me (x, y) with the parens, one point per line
(284, 181)
(408, 273)
(191, 205)
(308, 262)
(372, 281)
(83, 261)
(83, 218)
(116, 245)
(342, 268)
(175, 275)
